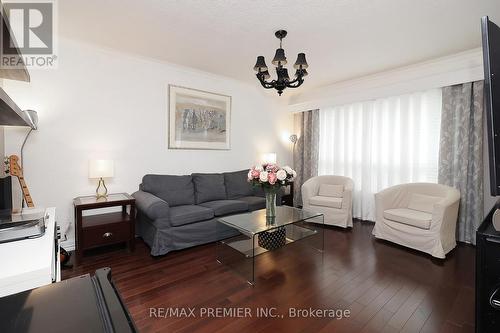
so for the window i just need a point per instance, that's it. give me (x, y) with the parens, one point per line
(381, 143)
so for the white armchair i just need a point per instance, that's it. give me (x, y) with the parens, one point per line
(331, 196)
(421, 216)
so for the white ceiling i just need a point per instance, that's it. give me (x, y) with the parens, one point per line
(342, 39)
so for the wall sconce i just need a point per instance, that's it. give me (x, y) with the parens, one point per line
(293, 139)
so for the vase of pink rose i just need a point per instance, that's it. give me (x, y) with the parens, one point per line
(271, 178)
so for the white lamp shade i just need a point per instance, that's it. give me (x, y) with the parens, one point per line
(269, 158)
(101, 169)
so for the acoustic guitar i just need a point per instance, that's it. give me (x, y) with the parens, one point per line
(15, 170)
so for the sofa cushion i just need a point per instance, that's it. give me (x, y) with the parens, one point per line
(209, 187)
(237, 185)
(326, 201)
(423, 203)
(258, 191)
(410, 217)
(336, 191)
(186, 214)
(175, 190)
(254, 203)
(225, 207)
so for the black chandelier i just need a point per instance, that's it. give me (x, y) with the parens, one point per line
(283, 81)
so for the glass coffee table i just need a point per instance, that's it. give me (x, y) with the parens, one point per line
(256, 234)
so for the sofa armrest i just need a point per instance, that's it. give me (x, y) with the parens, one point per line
(388, 198)
(150, 205)
(445, 214)
(309, 189)
(347, 199)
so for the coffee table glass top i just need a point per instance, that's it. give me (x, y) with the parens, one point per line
(257, 222)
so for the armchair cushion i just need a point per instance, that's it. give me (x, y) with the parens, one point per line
(409, 217)
(336, 191)
(326, 201)
(423, 203)
(186, 214)
(224, 207)
(209, 187)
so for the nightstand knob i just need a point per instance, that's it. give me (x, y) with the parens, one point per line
(107, 234)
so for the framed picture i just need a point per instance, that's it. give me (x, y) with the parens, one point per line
(198, 119)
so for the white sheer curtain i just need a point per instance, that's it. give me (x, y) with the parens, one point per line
(381, 143)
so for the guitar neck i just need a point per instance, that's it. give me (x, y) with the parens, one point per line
(26, 192)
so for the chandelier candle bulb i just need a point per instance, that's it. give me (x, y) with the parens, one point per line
(283, 79)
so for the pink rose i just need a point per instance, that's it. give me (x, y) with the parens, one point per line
(272, 178)
(255, 173)
(271, 167)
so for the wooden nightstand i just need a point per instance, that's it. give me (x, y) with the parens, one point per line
(103, 229)
(287, 199)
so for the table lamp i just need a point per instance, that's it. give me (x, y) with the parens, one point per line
(269, 158)
(101, 169)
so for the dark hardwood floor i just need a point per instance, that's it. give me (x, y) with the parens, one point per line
(387, 288)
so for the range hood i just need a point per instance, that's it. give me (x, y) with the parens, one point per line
(10, 113)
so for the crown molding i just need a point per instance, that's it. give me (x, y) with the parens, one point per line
(440, 72)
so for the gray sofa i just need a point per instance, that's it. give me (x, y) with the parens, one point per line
(176, 212)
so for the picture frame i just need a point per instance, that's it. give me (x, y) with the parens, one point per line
(198, 119)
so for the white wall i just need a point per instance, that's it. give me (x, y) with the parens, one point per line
(103, 104)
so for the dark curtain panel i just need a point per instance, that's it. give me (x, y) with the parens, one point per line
(461, 153)
(305, 155)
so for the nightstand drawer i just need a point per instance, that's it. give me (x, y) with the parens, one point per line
(94, 230)
(106, 234)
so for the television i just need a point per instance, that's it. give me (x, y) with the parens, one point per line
(491, 59)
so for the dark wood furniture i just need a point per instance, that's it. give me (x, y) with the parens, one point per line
(287, 199)
(488, 276)
(387, 288)
(104, 229)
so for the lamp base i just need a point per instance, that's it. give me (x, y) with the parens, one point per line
(101, 190)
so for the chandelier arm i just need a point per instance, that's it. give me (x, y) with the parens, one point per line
(268, 85)
(264, 83)
(299, 82)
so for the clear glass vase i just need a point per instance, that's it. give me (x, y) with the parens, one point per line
(270, 202)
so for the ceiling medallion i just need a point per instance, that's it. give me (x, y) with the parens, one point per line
(283, 81)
